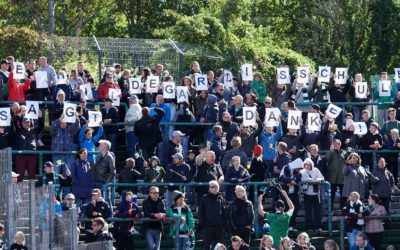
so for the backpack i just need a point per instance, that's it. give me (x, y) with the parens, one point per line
(186, 117)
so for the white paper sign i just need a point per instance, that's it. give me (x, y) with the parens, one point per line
(360, 128)
(324, 73)
(397, 75)
(5, 117)
(294, 119)
(32, 110)
(135, 86)
(228, 78)
(182, 94)
(303, 75)
(314, 121)
(95, 118)
(41, 79)
(272, 117)
(249, 116)
(341, 75)
(333, 111)
(152, 84)
(361, 90)
(115, 96)
(169, 90)
(298, 163)
(61, 79)
(384, 88)
(247, 72)
(201, 82)
(69, 112)
(282, 75)
(86, 92)
(19, 71)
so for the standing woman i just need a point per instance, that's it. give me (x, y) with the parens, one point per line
(383, 183)
(374, 226)
(353, 212)
(82, 177)
(236, 173)
(355, 176)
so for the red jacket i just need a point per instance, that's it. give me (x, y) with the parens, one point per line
(103, 89)
(16, 90)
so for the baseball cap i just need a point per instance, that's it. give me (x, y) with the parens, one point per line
(178, 156)
(70, 196)
(48, 164)
(133, 97)
(177, 133)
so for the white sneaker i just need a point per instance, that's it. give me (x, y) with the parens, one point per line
(40, 143)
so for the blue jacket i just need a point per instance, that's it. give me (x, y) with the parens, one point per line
(167, 116)
(81, 178)
(89, 144)
(232, 176)
(267, 139)
(63, 139)
(217, 147)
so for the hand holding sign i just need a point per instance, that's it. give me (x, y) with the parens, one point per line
(272, 117)
(397, 75)
(303, 75)
(294, 119)
(95, 118)
(228, 78)
(361, 90)
(384, 88)
(115, 95)
(152, 84)
(314, 121)
(333, 111)
(32, 110)
(86, 91)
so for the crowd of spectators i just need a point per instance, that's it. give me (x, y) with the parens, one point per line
(228, 152)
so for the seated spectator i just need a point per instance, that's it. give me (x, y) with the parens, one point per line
(294, 145)
(331, 245)
(126, 209)
(69, 202)
(110, 115)
(392, 123)
(97, 207)
(236, 173)
(49, 176)
(286, 244)
(81, 177)
(183, 216)
(303, 242)
(238, 243)
(266, 243)
(57, 108)
(98, 233)
(280, 160)
(81, 69)
(355, 177)
(212, 215)
(104, 168)
(153, 208)
(75, 81)
(95, 92)
(236, 150)
(129, 175)
(362, 243)
(88, 141)
(19, 242)
(382, 183)
(241, 215)
(354, 211)
(219, 246)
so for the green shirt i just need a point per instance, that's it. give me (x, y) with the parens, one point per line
(261, 89)
(278, 225)
(389, 125)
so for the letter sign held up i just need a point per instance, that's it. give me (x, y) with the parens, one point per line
(5, 117)
(361, 90)
(228, 78)
(283, 75)
(201, 82)
(135, 86)
(272, 117)
(95, 118)
(384, 88)
(294, 119)
(152, 84)
(247, 72)
(169, 90)
(397, 75)
(314, 122)
(303, 75)
(41, 79)
(32, 110)
(182, 93)
(249, 116)
(19, 70)
(333, 111)
(69, 112)
(324, 73)
(360, 128)
(341, 75)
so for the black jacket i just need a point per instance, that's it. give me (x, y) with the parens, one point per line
(242, 247)
(148, 130)
(113, 115)
(26, 139)
(206, 173)
(241, 214)
(150, 208)
(169, 148)
(212, 210)
(128, 175)
(231, 129)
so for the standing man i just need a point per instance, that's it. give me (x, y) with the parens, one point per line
(278, 221)
(104, 168)
(133, 114)
(213, 216)
(154, 209)
(110, 115)
(172, 147)
(177, 172)
(335, 160)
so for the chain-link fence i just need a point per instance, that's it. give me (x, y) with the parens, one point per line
(103, 245)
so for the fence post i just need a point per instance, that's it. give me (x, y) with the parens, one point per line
(51, 204)
(98, 50)
(342, 232)
(74, 231)
(32, 218)
(329, 208)
(256, 210)
(180, 57)
(177, 243)
(41, 164)
(10, 196)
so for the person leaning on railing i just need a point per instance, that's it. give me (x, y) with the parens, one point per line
(374, 226)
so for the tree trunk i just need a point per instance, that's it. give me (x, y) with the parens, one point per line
(36, 16)
(51, 9)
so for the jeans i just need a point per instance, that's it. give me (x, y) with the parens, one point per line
(153, 239)
(352, 237)
(313, 211)
(323, 198)
(131, 141)
(182, 243)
